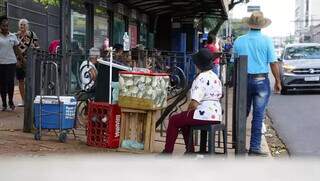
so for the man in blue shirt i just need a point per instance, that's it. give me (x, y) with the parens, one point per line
(260, 51)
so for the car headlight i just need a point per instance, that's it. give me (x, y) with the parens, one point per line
(288, 68)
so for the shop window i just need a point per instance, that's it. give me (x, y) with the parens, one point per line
(118, 29)
(133, 33)
(78, 22)
(150, 41)
(78, 44)
(143, 34)
(101, 26)
(78, 28)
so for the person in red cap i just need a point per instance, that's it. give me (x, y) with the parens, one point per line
(212, 46)
(54, 46)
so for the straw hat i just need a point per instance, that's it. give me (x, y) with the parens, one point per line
(256, 20)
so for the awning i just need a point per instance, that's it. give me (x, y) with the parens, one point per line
(179, 8)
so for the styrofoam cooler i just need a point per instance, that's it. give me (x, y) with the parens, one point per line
(50, 112)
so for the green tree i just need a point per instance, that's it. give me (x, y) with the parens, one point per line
(209, 23)
(212, 24)
(238, 28)
(48, 2)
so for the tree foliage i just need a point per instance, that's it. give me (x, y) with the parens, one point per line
(48, 2)
(209, 23)
(238, 28)
(212, 24)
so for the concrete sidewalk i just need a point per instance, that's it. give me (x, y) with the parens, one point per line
(12, 120)
(14, 142)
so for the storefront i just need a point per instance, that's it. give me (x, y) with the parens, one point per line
(143, 31)
(78, 23)
(87, 23)
(119, 24)
(150, 41)
(101, 25)
(133, 29)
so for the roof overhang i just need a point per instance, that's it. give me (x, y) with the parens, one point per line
(179, 8)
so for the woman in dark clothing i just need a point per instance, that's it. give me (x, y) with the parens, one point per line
(8, 50)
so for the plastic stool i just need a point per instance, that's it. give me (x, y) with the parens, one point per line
(211, 129)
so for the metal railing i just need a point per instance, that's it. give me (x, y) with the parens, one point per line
(179, 64)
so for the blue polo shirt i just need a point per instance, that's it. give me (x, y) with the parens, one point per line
(260, 51)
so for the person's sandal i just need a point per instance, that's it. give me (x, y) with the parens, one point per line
(4, 108)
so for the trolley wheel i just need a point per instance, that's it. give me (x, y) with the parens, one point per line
(37, 136)
(63, 137)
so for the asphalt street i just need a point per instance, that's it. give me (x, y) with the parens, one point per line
(296, 118)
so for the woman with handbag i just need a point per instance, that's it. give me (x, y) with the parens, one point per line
(27, 39)
(8, 51)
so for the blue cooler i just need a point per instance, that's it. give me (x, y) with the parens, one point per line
(51, 112)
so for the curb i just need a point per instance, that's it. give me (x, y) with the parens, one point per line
(268, 114)
(265, 146)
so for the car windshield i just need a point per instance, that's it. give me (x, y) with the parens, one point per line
(302, 52)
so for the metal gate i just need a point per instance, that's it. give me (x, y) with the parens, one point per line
(44, 21)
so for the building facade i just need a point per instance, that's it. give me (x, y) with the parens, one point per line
(307, 20)
(91, 22)
(315, 21)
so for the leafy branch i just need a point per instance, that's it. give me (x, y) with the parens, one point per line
(48, 2)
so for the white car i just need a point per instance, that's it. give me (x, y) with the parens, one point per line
(300, 67)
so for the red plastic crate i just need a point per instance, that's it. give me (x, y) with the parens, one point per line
(103, 128)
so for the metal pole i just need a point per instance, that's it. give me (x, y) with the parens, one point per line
(226, 112)
(89, 25)
(241, 105)
(110, 76)
(29, 92)
(236, 58)
(65, 41)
